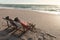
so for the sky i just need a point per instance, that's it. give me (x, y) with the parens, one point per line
(50, 2)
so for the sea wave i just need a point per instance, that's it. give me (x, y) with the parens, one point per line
(48, 12)
(39, 8)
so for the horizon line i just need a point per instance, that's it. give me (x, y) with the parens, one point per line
(29, 3)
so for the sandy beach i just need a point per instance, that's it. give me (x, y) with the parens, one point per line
(49, 23)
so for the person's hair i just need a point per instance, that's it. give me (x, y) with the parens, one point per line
(16, 19)
(7, 17)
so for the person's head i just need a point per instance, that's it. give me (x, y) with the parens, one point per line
(6, 18)
(16, 19)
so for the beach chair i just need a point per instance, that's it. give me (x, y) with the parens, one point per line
(16, 25)
(13, 23)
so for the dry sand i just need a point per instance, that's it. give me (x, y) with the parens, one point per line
(47, 22)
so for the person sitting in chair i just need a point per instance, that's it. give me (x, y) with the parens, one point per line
(25, 25)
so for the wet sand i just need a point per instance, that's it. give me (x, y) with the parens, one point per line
(49, 23)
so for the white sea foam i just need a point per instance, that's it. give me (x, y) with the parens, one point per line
(7, 7)
(48, 12)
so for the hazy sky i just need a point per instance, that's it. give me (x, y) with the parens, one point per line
(54, 2)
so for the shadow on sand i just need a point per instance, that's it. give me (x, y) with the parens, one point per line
(10, 34)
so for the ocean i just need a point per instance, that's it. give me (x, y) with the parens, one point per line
(51, 9)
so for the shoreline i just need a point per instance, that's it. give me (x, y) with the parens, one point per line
(47, 12)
